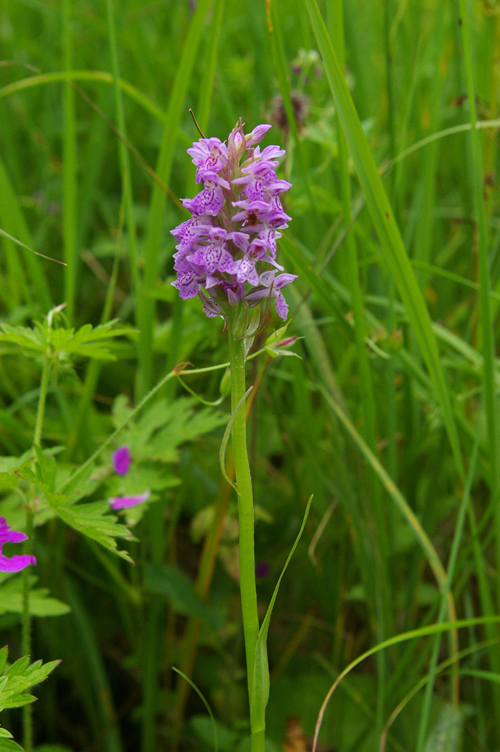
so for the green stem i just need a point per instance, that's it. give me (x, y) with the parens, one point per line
(28, 547)
(245, 512)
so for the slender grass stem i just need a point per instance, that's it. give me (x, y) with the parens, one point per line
(245, 513)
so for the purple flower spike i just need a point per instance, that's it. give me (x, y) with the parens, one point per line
(19, 561)
(226, 251)
(124, 502)
(121, 460)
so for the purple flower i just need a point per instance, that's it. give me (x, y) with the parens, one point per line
(272, 287)
(225, 250)
(208, 154)
(261, 569)
(121, 464)
(121, 460)
(124, 502)
(19, 561)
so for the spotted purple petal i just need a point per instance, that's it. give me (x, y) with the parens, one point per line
(229, 242)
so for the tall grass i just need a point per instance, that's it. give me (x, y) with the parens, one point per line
(395, 239)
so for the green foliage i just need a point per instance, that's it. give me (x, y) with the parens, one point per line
(40, 603)
(90, 518)
(60, 344)
(19, 677)
(161, 428)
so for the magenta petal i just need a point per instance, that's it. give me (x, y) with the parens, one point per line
(124, 502)
(16, 563)
(10, 536)
(14, 536)
(121, 460)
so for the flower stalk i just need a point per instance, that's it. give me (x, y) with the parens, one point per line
(226, 255)
(245, 500)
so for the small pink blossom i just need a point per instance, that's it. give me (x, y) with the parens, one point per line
(18, 561)
(125, 502)
(121, 460)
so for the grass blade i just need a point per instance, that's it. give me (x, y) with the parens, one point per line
(385, 224)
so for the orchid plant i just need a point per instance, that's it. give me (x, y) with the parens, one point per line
(226, 254)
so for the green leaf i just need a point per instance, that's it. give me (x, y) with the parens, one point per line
(11, 600)
(18, 700)
(46, 467)
(8, 480)
(19, 667)
(63, 344)
(92, 519)
(260, 691)
(165, 425)
(19, 677)
(227, 434)
(4, 652)
(8, 745)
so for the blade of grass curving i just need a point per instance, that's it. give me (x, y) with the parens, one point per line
(164, 167)
(260, 694)
(204, 701)
(408, 514)
(396, 640)
(85, 75)
(69, 171)
(387, 229)
(227, 434)
(420, 684)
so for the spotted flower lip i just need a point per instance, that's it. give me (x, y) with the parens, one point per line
(121, 460)
(225, 249)
(125, 502)
(18, 561)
